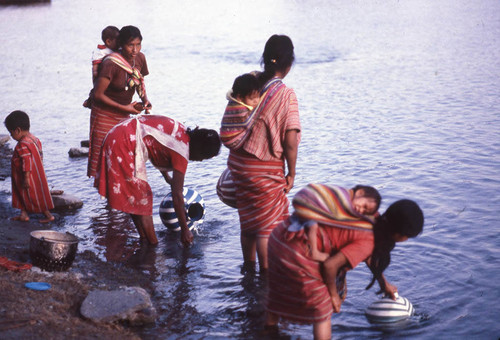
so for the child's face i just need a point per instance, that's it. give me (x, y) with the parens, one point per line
(16, 134)
(252, 99)
(364, 205)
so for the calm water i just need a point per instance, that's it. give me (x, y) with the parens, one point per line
(403, 95)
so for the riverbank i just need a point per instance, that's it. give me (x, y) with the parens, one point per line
(54, 313)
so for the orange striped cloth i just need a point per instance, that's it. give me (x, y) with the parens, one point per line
(260, 197)
(329, 205)
(280, 114)
(101, 121)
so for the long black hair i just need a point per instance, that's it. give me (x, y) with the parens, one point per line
(278, 55)
(203, 144)
(403, 217)
(128, 33)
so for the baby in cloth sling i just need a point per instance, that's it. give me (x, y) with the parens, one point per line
(245, 102)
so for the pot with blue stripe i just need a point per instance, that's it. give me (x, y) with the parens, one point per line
(387, 310)
(195, 210)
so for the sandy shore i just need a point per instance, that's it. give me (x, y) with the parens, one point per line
(55, 313)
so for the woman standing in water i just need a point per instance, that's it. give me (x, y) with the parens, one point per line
(258, 166)
(120, 76)
(307, 290)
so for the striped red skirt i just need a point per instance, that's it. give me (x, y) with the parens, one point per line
(101, 121)
(297, 290)
(260, 197)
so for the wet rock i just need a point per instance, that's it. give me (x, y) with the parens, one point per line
(4, 139)
(64, 201)
(84, 143)
(131, 304)
(78, 152)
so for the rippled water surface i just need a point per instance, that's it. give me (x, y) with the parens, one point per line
(402, 95)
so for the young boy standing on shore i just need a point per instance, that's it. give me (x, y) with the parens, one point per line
(30, 191)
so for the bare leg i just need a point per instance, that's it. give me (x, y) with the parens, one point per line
(248, 247)
(323, 330)
(262, 252)
(145, 227)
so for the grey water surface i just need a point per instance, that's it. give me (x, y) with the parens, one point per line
(401, 95)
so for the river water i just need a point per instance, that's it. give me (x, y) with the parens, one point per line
(402, 95)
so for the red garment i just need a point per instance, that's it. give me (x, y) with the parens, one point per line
(260, 197)
(296, 287)
(28, 156)
(103, 117)
(117, 178)
(281, 114)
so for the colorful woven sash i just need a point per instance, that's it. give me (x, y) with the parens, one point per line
(238, 120)
(329, 205)
(135, 77)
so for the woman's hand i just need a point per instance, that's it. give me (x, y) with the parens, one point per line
(135, 108)
(391, 290)
(289, 183)
(336, 302)
(186, 237)
(147, 105)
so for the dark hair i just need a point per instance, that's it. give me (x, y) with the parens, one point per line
(277, 57)
(17, 119)
(245, 85)
(369, 192)
(110, 32)
(404, 217)
(128, 33)
(203, 144)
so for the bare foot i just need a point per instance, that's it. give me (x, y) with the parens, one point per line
(47, 219)
(20, 218)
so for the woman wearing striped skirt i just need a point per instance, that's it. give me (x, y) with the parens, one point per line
(258, 166)
(120, 75)
(307, 290)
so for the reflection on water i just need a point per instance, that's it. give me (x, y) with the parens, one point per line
(399, 95)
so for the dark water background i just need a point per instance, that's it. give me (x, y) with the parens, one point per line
(402, 95)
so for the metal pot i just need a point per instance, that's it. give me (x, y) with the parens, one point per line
(52, 250)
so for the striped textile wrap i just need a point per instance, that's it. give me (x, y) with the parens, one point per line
(28, 156)
(239, 118)
(135, 77)
(260, 197)
(329, 205)
(297, 290)
(101, 121)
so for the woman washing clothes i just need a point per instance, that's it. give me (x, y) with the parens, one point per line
(120, 76)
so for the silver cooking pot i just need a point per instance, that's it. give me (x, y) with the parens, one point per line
(52, 250)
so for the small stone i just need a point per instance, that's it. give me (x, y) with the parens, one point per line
(66, 202)
(131, 304)
(78, 152)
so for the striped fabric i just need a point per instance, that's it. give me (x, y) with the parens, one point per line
(329, 205)
(27, 156)
(135, 77)
(101, 121)
(296, 288)
(239, 118)
(267, 136)
(260, 196)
